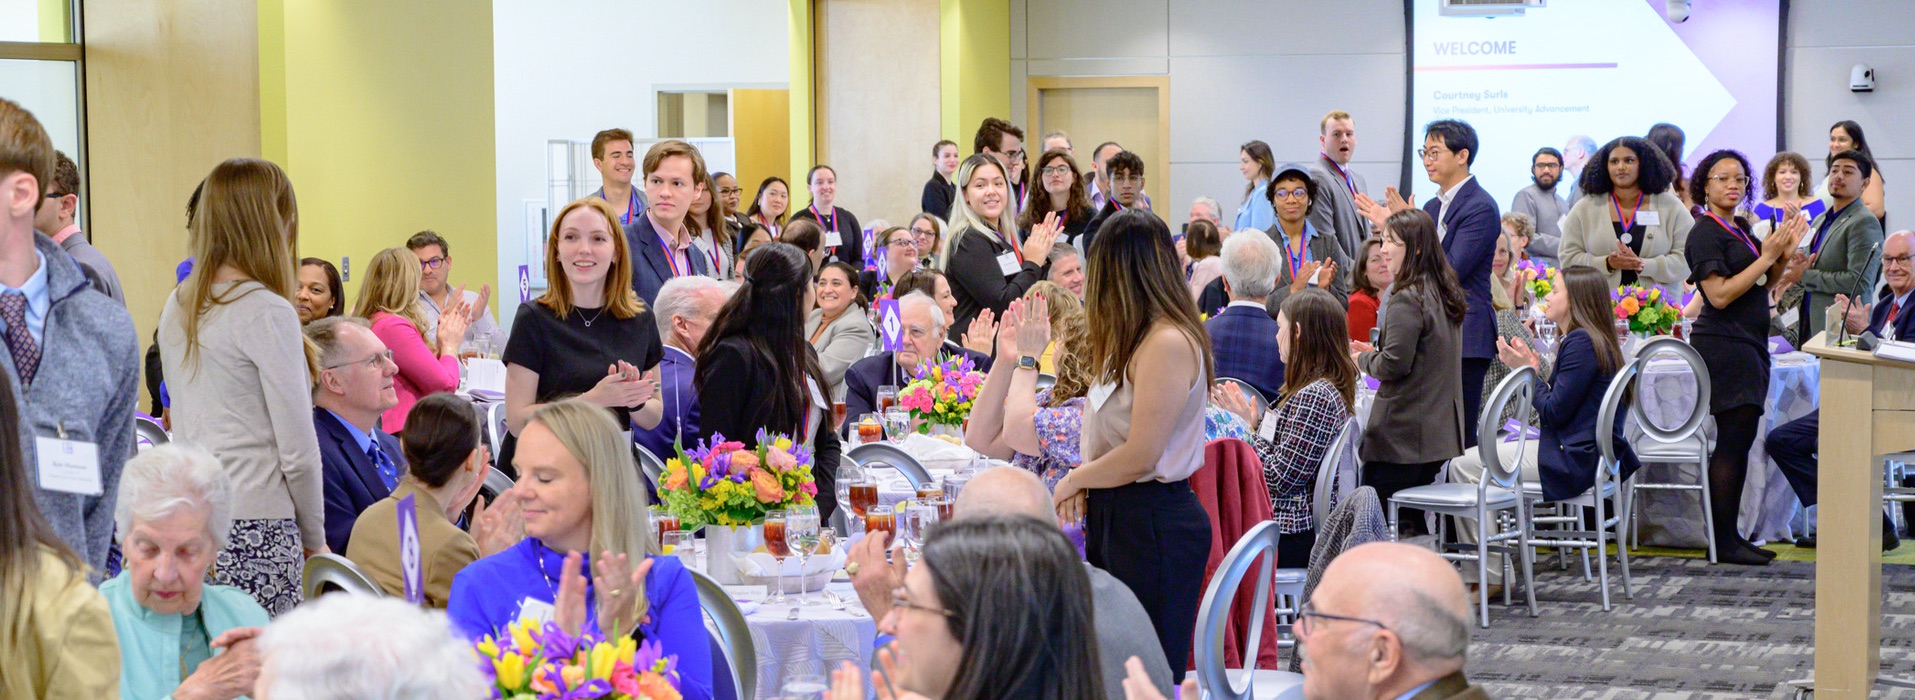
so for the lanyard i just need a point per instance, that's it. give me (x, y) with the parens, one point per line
(1347, 180)
(631, 207)
(1298, 256)
(671, 258)
(1628, 222)
(829, 224)
(1740, 235)
(714, 256)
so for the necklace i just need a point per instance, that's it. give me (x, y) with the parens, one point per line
(589, 321)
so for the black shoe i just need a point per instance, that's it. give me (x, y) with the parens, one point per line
(1889, 540)
(1747, 556)
(1805, 542)
(1763, 552)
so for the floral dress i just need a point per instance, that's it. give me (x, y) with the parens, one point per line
(1058, 432)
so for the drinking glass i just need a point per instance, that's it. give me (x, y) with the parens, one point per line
(680, 543)
(955, 483)
(930, 492)
(915, 519)
(776, 543)
(882, 519)
(869, 429)
(805, 687)
(896, 421)
(662, 522)
(887, 397)
(851, 478)
(801, 537)
(837, 415)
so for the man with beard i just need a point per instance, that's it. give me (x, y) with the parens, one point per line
(1540, 202)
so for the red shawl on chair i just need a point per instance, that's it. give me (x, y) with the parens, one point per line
(1232, 489)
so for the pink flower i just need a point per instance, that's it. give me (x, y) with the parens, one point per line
(780, 460)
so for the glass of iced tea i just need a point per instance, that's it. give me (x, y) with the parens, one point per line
(837, 415)
(945, 507)
(869, 429)
(775, 543)
(864, 497)
(887, 397)
(930, 492)
(662, 522)
(883, 518)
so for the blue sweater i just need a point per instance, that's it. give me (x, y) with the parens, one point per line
(486, 597)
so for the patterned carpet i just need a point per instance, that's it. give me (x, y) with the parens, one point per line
(1692, 631)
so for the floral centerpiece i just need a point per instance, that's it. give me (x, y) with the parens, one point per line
(534, 661)
(942, 393)
(1646, 309)
(725, 484)
(1541, 279)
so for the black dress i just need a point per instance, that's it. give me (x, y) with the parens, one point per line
(850, 247)
(1733, 341)
(571, 356)
(733, 402)
(1636, 234)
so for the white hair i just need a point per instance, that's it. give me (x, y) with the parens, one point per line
(354, 647)
(681, 296)
(167, 478)
(1216, 209)
(1250, 264)
(916, 299)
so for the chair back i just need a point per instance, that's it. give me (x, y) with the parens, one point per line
(330, 569)
(1691, 425)
(1517, 387)
(884, 454)
(1045, 380)
(1610, 464)
(495, 428)
(148, 432)
(497, 481)
(1249, 391)
(1332, 482)
(650, 464)
(731, 631)
(1213, 617)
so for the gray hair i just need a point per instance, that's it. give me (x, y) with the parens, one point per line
(1250, 264)
(681, 296)
(167, 478)
(348, 647)
(922, 299)
(325, 334)
(1061, 250)
(1215, 208)
(1432, 634)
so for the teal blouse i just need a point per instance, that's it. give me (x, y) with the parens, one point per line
(158, 651)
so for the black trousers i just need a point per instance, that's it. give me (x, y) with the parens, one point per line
(1155, 537)
(1389, 477)
(1474, 369)
(1293, 549)
(1792, 446)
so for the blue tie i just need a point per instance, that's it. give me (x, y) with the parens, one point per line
(388, 472)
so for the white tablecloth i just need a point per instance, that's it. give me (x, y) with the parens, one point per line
(1769, 509)
(816, 643)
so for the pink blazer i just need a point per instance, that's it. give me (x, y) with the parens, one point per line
(422, 372)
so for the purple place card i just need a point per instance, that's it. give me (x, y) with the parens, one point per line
(1779, 345)
(409, 566)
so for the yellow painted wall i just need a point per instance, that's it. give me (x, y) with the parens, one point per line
(975, 65)
(802, 100)
(381, 112)
(761, 124)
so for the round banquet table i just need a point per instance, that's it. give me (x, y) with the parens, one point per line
(821, 639)
(1769, 510)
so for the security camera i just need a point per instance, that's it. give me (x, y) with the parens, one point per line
(1862, 78)
(1677, 11)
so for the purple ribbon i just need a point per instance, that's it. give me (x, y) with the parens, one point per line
(1515, 429)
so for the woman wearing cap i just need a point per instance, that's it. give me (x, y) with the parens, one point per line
(1306, 254)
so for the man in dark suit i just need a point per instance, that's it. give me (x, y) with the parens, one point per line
(1468, 222)
(1387, 620)
(1793, 444)
(685, 309)
(660, 241)
(362, 464)
(1243, 337)
(924, 327)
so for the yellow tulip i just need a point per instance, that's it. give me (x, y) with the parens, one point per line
(511, 671)
(489, 647)
(522, 636)
(602, 657)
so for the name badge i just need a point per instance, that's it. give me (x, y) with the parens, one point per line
(1008, 264)
(69, 466)
(817, 397)
(536, 610)
(833, 239)
(1099, 394)
(1649, 218)
(1268, 429)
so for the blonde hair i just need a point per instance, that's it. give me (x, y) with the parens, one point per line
(1323, 127)
(620, 300)
(965, 220)
(1070, 334)
(392, 286)
(1499, 283)
(248, 219)
(620, 523)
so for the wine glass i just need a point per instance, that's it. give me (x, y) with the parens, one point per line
(805, 687)
(801, 538)
(915, 519)
(776, 543)
(896, 421)
(851, 479)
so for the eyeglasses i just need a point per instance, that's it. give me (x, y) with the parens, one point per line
(729, 191)
(1429, 154)
(433, 264)
(902, 242)
(1308, 618)
(1736, 180)
(1016, 156)
(923, 232)
(1056, 170)
(1897, 259)
(378, 360)
(55, 195)
(1299, 193)
(900, 602)
(1548, 166)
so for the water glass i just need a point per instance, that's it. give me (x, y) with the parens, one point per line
(801, 538)
(805, 687)
(681, 544)
(778, 546)
(896, 422)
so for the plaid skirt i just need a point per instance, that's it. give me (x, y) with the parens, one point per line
(263, 558)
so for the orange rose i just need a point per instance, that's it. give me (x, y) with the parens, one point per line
(675, 478)
(767, 486)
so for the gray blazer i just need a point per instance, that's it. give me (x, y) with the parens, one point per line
(91, 258)
(1323, 246)
(1838, 268)
(1335, 208)
(1418, 415)
(847, 340)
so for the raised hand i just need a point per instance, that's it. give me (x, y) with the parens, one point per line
(983, 327)
(1007, 329)
(1398, 202)
(1034, 328)
(1037, 247)
(1369, 209)
(1229, 397)
(876, 579)
(1303, 276)
(453, 321)
(1515, 353)
(618, 582)
(618, 389)
(1328, 273)
(499, 527)
(568, 609)
(478, 308)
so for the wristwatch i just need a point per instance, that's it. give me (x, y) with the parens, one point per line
(1026, 362)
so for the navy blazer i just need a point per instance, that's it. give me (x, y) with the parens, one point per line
(1904, 320)
(1244, 341)
(862, 380)
(1473, 225)
(650, 267)
(675, 373)
(1566, 408)
(352, 483)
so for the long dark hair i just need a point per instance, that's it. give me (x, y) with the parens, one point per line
(1134, 280)
(1077, 202)
(1591, 311)
(442, 430)
(1669, 139)
(1019, 602)
(1654, 172)
(332, 282)
(923, 279)
(850, 275)
(1854, 130)
(760, 197)
(1319, 345)
(1424, 266)
(765, 313)
(23, 531)
(1266, 163)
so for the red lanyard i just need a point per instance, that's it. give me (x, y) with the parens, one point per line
(630, 208)
(1347, 180)
(829, 224)
(1295, 257)
(1740, 235)
(670, 257)
(1629, 222)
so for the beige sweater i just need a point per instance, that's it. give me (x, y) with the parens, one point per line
(248, 398)
(1589, 236)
